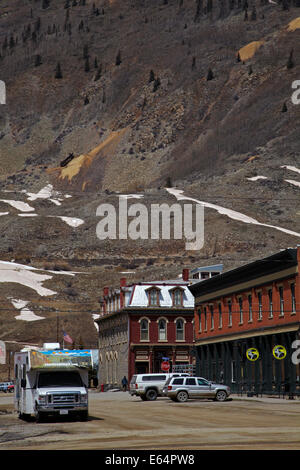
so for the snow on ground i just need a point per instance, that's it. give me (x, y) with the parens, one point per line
(4, 213)
(27, 215)
(72, 221)
(47, 192)
(95, 317)
(178, 193)
(20, 205)
(292, 168)
(255, 178)
(295, 183)
(25, 313)
(131, 196)
(22, 274)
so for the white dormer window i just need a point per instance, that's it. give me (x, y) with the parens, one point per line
(153, 297)
(177, 297)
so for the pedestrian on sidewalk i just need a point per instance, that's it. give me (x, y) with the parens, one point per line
(124, 383)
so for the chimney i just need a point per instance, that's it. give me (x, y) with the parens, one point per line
(185, 274)
(123, 282)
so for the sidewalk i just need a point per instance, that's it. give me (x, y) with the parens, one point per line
(265, 398)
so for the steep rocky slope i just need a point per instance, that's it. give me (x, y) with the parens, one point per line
(184, 93)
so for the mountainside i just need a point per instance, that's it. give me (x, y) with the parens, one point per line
(194, 95)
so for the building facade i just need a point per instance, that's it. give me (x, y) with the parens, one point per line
(142, 325)
(247, 325)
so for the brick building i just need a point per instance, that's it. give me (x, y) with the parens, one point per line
(254, 306)
(144, 322)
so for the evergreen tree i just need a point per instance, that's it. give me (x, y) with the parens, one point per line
(210, 75)
(290, 62)
(85, 51)
(151, 76)
(253, 14)
(38, 60)
(87, 65)
(118, 58)
(45, 4)
(98, 74)
(156, 84)
(58, 72)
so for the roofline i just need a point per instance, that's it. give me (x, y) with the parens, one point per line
(288, 257)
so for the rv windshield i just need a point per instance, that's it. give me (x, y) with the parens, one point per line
(59, 379)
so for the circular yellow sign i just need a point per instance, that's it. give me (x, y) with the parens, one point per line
(252, 354)
(279, 352)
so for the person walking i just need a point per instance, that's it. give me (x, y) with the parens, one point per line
(124, 383)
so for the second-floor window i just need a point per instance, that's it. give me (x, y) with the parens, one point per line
(162, 329)
(220, 316)
(270, 295)
(241, 309)
(179, 330)
(259, 296)
(293, 298)
(281, 301)
(212, 324)
(144, 329)
(229, 313)
(250, 307)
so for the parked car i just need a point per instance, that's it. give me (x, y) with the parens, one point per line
(182, 388)
(149, 386)
(6, 387)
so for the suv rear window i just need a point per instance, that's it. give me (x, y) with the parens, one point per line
(178, 381)
(133, 379)
(150, 378)
(190, 382)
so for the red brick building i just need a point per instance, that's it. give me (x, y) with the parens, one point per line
(253, 306)
(142, 324)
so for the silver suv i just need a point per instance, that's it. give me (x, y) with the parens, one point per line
(181, 388)
(149, 386)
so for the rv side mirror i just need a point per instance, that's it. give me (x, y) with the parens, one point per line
(23, 383)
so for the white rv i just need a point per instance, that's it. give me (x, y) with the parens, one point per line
(51, 382)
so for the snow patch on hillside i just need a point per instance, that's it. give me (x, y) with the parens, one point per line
(256, 178)
(22, 274)
(178, 193)
(20, 205)
(295, 183)
(292, 168)
(25, 313)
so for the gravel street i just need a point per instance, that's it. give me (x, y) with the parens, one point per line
(119, 421)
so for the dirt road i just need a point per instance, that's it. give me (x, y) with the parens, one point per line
(118, 421)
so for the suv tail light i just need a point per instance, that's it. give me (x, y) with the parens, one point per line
(136, 386)
(169, 387)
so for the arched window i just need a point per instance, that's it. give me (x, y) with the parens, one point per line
(179, 329)
(162, 329)
(144, 329)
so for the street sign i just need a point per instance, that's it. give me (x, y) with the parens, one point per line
(279, 352)
(165, 366)
(252, 354)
